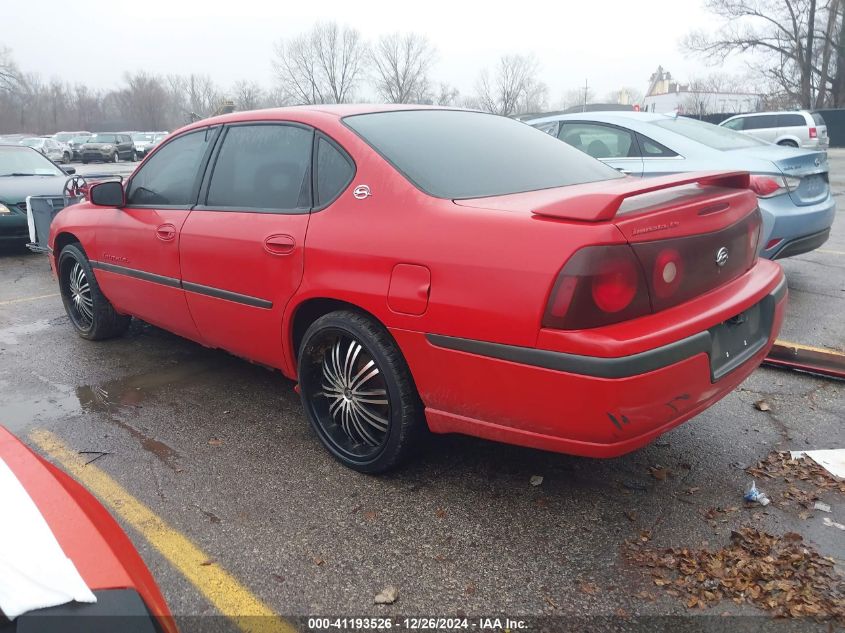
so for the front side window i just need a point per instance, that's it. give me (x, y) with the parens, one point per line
(599, 141)
(458, 154)
(334, 172)
(169, 177)
(263, 167)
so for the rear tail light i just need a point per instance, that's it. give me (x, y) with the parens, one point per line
(599, 285)
(813, 132)
(768, 186)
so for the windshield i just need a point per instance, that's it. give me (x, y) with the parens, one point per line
(80, 139)
(714, 136)
(102, 138)
(33, 142)
(460, 154)
(63, 137)
(142, 137)
(18, 161)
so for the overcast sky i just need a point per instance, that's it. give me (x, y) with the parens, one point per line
(611, 43)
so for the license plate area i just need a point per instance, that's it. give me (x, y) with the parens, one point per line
(734, 341)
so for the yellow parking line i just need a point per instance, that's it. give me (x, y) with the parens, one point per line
(829, 252)
(228, 595)
(25, 299)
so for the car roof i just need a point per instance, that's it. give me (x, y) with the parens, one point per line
(607, 116)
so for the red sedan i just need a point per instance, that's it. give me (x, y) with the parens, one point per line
(429, 269)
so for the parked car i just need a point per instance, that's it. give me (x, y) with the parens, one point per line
(143, 141)
(24, 172)
(85, 570)
(430, 268)
(109, 148)
(791, 184)
(65, 137)
(798, 128)
(47, 146)
(76, 144)
(67, 152)
(158, 137)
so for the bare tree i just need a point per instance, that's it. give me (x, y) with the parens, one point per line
(577, 97)
(324, 65)
(400, 65)
(144, 101)
(10, 76)
(446, 95)
(512, 88)
(248, 95)
(782, 33)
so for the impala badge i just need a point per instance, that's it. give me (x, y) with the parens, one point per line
(361, 191)
(722, 257)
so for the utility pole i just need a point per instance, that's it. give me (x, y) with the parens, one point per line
(586, 86)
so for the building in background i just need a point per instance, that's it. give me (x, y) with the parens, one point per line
(699, 97)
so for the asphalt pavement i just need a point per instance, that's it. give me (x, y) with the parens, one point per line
(221, 450)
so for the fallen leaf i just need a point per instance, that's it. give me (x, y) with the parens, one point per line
(536, 480)
(388, 595)
(659, 472)
(319, 561)
(215, 442)
(206, 563)
(470, 588)
(588, 588)
(762, 405)
(440, 513)
(277, 577)
(369, 515)
(630, 515)
(693, 490)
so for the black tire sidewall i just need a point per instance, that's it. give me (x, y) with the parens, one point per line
(71, 254)
(387, 456)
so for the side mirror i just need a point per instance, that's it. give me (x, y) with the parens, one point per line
(107, 194)
(70, 171)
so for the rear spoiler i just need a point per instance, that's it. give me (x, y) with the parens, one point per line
(602, 200)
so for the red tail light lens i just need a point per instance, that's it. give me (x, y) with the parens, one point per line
(813, 132)
(599, 285)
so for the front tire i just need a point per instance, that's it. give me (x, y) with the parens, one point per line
(91, 314)
(358, 392)
(134, 156)
(65, 158)
(116, 157)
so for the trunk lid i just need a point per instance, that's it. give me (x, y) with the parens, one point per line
(809, 166)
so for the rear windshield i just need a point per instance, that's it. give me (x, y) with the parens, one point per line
(459, 154)
(818, 119)
(715, 136)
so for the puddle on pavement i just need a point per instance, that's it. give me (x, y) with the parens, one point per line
(109, 399)
(13, 335)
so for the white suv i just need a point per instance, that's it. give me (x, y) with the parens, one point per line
(798, 128)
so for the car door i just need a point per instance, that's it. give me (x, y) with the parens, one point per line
(762, 126)
(242, 247)
(613, 145)
(137, 256)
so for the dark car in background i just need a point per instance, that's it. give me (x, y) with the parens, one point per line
(24, 172)
(143, 142)
(76, 144)
(109, 148)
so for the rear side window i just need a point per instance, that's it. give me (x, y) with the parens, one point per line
(263, 167)
(818, 120)
(334, 172)
(169, 177)
(457, 154)
(760, 122)
(599, 141)
(653, 149)
(791, 120)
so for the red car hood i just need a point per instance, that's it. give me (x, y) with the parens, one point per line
(86, 532)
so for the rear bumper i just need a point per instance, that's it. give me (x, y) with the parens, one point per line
(803, 244)
(787, 222)
(604, 408)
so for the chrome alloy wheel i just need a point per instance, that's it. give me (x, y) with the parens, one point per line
(353, 406)
(79, 292)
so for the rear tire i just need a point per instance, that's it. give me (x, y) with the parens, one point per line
(65, 158)
(358, 393)
(90, 313)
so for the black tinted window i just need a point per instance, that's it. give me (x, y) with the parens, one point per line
(263, 167)
(169, 177)
(334, 172)
(460, 154)
(760, 122)
(791, 120)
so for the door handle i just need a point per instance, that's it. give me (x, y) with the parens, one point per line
(166, 232)
(279, 244)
